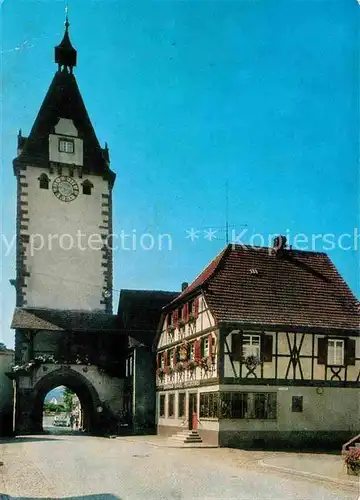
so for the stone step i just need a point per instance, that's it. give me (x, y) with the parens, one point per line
(186, 438)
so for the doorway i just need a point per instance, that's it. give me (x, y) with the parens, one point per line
(192, 408)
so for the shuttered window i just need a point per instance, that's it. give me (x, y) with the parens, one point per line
(251, 346)
(236, 346)
(335, 352)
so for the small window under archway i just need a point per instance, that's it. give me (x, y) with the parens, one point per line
(87, 187)
(44, 181)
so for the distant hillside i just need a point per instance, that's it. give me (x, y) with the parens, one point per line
(55, 393)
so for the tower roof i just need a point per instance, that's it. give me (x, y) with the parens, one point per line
(65, 54)
(63, 100)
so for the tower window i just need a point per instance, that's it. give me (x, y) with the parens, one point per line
(44, 181)
(66, 146)
(87, 187)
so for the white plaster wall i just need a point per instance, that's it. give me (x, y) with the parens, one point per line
(204, 321)
(61, 278)
(336, 409)
(283, 362)
(63, 130)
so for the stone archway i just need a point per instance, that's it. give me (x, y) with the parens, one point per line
(30, 404)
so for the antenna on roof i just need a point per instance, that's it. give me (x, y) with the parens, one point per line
(227, 211)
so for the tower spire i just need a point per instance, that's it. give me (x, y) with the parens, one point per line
(65, 54)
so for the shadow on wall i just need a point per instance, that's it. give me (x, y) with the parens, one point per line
(100, 496)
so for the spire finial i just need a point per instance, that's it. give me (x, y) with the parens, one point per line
(65, 54)
(67, 24)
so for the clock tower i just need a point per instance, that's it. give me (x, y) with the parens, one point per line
(64, 210)
(66, 334)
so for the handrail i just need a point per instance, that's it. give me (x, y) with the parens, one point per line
(347, 445)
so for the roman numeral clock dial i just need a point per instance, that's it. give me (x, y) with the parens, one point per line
(65, 188)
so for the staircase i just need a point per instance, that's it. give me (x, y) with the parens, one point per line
(186, 437)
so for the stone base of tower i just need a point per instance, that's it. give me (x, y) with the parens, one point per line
(101, 397)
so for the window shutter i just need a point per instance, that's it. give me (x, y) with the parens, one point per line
(350, 352)
(186, 312)
(266, 348)
(210, 345)
(165, 358)
(322, 351)
(157, 361)
(236, 346)
(202, 346)
(176, 318)
(197, 353)
(196, 307)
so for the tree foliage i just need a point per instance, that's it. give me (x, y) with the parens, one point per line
(68, 398)
(51, 407)
(2, 346)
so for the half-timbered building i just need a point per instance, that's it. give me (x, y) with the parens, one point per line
(262, 348)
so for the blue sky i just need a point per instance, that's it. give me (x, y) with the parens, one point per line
(190, 95)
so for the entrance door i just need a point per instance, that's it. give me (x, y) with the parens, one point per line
(192, 408)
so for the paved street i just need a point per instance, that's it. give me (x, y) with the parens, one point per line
(78, 466)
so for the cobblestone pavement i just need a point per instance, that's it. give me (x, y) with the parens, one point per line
(73, 466)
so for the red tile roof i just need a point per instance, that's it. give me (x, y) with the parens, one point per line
(254, 285)
(203, 276)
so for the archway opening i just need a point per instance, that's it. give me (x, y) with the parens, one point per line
(76, 383)
(62, 411)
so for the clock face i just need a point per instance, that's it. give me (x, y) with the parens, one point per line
(65, 188)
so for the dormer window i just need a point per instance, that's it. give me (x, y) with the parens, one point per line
(66, 146)
(87, 187)
(44, 181)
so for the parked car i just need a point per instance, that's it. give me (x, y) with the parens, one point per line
(61, 421)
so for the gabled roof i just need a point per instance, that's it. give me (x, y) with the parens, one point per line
(64, 100)
(203, 277)
(64, 320)
(256, 285)
(140, 310)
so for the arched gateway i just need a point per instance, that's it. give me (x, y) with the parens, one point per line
(88, 359)
(80, 385)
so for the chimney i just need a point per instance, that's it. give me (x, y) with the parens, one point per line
(279, 244)
(184, 286)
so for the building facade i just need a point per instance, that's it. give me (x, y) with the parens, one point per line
(139, 314)
(263, 348)
(65, 331)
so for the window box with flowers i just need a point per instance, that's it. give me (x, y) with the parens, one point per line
(191, 365)
(192, 318)
(182, 323)
(160, 372)
(206, 363)
(180, 366)
(352, 461)
(252, 361)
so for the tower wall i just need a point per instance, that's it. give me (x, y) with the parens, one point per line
(62, 260)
